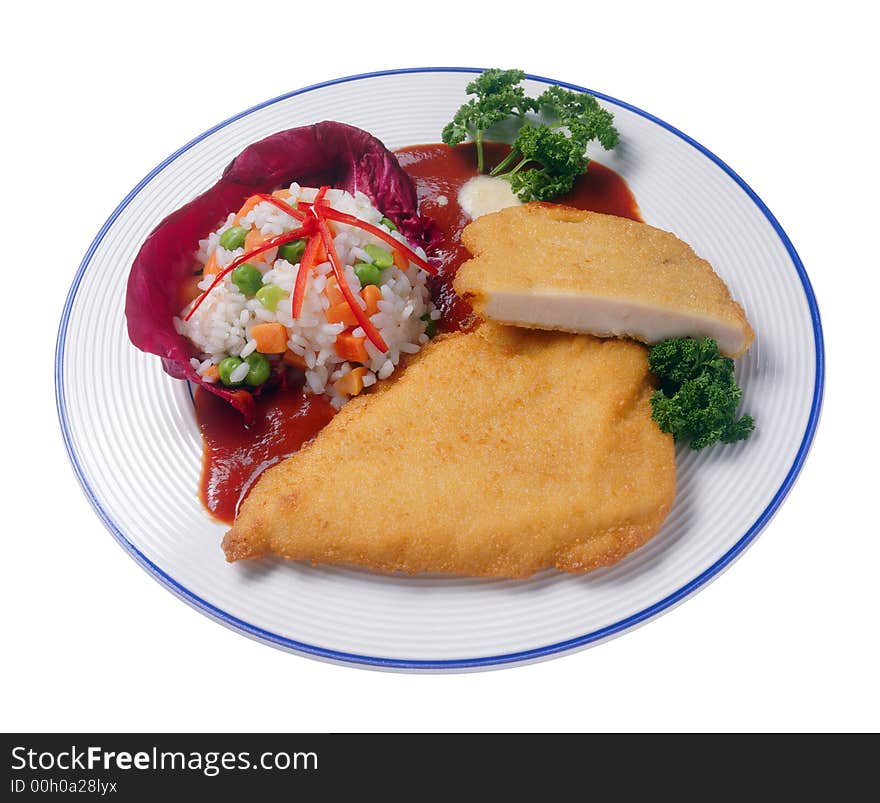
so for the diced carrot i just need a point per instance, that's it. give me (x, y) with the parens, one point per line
(322, 255)
(212, 374)
(189, 289)
(372, 295)
(340, 313)
(294, 360)
(399, 259)
(332, 291)
(352, 383)
(255, 239)
(211, 266)
(349, 347)
(249, 204)
(282, 194)
(271, 337)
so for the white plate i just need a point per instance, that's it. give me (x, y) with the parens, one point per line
(133, 441)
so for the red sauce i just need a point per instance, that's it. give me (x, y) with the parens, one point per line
(234, 455)
(438, 170)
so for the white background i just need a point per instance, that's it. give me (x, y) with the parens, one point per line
(95, 95)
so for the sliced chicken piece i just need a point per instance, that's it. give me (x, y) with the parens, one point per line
(553, 267)
(497, 453)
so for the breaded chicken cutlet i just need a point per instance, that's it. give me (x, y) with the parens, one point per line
(497, 453)
(554, 267)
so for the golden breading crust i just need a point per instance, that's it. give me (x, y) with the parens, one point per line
(496, 453)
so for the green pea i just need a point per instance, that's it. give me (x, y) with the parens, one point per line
(233, 238)
(259, 370)
(269, 295)
(292, 251)
(368, 274)
(430, 325)
(226, 367)
(247, 278)
(381, 258)
(389, 223)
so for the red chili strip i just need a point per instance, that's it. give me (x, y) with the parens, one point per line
(305, 268)
(360, 315)
(351, 220)
(283, 206)
(306, 230)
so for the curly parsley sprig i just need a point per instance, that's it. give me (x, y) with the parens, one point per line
(698, 394)
(544, 159)
(498, 96)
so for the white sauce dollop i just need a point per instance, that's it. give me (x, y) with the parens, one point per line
(484, 194)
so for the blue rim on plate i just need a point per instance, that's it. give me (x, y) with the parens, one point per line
(463, 663)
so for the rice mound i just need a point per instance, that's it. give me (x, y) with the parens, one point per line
(221, 325)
